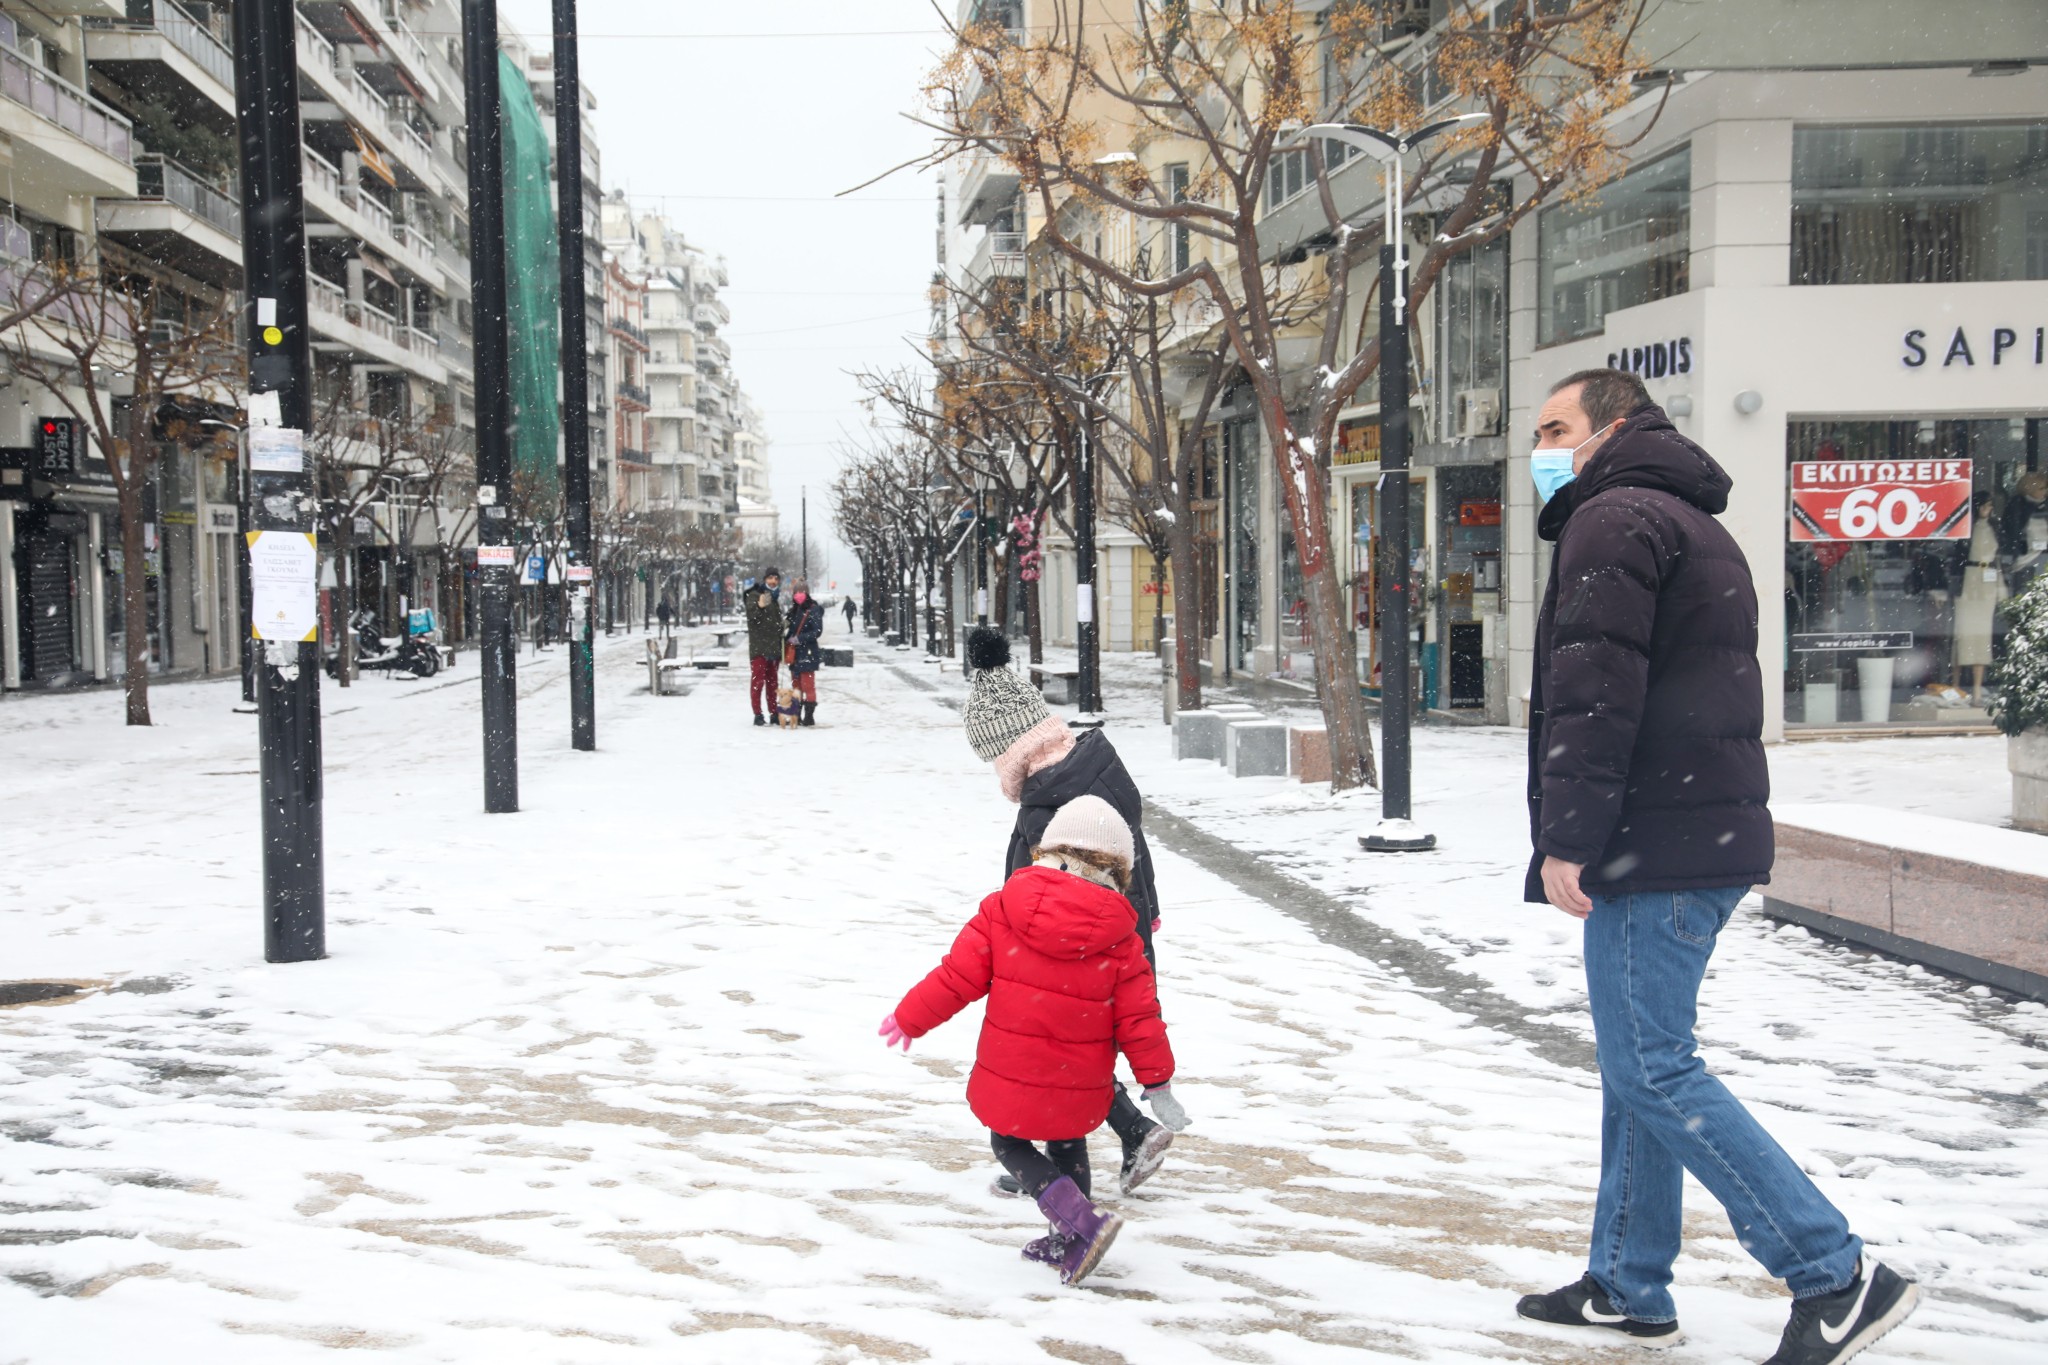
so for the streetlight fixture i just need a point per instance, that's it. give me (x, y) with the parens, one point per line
(1397, 831)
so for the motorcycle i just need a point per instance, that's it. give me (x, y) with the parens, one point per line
(418, 655)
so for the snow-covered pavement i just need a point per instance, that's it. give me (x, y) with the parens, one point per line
(599, 1081)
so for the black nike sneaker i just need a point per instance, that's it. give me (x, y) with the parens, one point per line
(1832, 1327)
(1586, 1304)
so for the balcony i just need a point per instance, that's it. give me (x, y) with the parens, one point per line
(139, 50)
(66, 143)
(178, 219)
(398, 59)
(1000, 256)
(626, 331)
(711, 314)
(343, 324)
(352, 212)
(988, 187)
(633, 394)
(343, 93)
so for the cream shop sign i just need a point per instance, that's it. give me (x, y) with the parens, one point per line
(1969, 348)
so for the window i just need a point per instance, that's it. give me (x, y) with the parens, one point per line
(1627, 246)
(1943, 204)
(1290, 172)
(1472, 336)
(1178, 234)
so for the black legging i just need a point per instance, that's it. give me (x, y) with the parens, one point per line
(1035, 1170)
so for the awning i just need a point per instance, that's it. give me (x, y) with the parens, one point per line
(373, 160)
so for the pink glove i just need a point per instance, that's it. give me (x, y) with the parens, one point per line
(892, 1033)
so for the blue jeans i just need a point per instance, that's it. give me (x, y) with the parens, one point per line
(1663, 1115)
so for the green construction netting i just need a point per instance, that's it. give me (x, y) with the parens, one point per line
(532, 280)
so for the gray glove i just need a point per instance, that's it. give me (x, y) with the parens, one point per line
(1166, 1108)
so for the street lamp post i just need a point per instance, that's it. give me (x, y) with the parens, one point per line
(1396, 831)
(1086, 640)
(575, 377)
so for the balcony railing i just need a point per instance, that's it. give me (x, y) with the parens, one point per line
(627, 329)
(327, 297)
(183, 32)
(633, 393)
(159, 177)
(62, 103)
(15, 242)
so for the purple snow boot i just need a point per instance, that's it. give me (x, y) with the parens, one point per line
(1050, 1249)
(1088, 1230)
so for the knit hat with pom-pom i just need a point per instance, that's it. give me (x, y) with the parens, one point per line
(1002, 706)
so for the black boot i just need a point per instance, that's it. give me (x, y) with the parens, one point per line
(810, 713)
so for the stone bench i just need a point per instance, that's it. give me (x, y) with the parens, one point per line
(1201, 734)
(1968, 899)
(1059, 686)
(1308, 753)
(1256, 748)
(835, 658)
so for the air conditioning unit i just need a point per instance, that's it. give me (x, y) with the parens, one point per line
(1478, 413)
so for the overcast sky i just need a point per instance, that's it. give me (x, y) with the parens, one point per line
(743, 141)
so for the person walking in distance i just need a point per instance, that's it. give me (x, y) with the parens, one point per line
(806, 628)
(1041, 767)
(663, 614)
(1056, 952)
(1648, 809)
(848, 607)
(764, 642)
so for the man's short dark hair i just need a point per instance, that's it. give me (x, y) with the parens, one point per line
(770, 572)
(1608, 395)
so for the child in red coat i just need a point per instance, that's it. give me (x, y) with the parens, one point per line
(1056, 952)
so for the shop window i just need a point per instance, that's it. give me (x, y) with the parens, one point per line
(1469, 394)
(1945, 204)
(1627, 245)
(1903, 539)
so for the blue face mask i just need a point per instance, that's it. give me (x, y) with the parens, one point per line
(1552, 470)
(1551, 466)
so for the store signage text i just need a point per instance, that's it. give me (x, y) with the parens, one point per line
(1655, 361)
(1852, 642)
(1880, 500)
(1358, 443)
(1961, 350)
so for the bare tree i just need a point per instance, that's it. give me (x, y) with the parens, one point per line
(1234, 80)
(78, 334)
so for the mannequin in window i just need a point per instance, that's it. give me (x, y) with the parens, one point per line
(2023, 527)
(1977, 603)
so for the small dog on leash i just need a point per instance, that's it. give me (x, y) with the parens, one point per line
(787, 708)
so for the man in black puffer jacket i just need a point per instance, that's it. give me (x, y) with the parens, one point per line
(1648, 809)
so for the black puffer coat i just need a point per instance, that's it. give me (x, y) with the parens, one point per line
(806, 624)
(1646, 757)
(1092, 769)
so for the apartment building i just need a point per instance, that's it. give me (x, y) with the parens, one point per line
(119, 124)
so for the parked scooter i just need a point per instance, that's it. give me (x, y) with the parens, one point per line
(418, 655)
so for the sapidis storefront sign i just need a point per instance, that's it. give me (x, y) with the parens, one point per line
(1880, 500)
(1968, 347)
(1657, 360)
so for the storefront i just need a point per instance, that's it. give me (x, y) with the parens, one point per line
(1850, 314)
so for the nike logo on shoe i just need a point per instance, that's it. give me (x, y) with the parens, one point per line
(1598, 1318)
(1832, 1333)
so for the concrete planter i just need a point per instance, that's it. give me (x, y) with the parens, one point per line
(2027, 755)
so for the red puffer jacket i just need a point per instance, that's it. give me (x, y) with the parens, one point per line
(1068, 987)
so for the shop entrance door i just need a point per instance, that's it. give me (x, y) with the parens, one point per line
(1369, 550)
(46, 570)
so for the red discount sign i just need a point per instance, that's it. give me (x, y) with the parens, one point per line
(1881, 500)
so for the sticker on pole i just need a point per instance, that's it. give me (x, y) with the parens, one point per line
(1084, 603)
(284, 595)
(1880, 500)
(579, 573)
(494, 556)
(277, 450)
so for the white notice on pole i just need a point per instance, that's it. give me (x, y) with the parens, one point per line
(284, 597)
(277, 450)
(1084, 603)
(494, 556)
(981, 601)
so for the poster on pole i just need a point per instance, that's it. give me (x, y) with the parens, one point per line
(1854, 500)
(284, 596)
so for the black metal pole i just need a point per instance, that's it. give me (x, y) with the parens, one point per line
(1395, 692)
(804, 530)
(242, 614)
(575, 376)
(281, 501)
(495, 550)
(1086, 638)
(931, 610)
(980, 561)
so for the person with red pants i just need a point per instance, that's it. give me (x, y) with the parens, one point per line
(764, 642)
(806, 625)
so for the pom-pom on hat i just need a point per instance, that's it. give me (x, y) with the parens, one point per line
(1002, 706)
(1091, 824)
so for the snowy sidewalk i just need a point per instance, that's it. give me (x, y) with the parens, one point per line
(599, 1082)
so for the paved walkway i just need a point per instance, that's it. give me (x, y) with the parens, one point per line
(598, 1082)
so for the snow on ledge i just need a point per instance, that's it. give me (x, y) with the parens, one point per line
(2010, 850)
